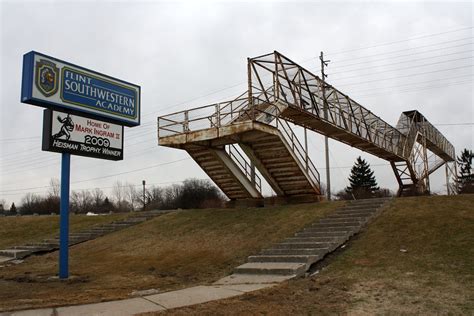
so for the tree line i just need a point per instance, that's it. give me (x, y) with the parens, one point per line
(125, 197)
(195, 193)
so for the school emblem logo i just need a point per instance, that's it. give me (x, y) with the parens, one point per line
(47, 77)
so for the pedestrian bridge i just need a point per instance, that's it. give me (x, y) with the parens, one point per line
(230, 139)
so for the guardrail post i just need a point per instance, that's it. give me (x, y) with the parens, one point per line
(186, 122)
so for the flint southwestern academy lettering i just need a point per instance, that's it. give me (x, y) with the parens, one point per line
(98, 93)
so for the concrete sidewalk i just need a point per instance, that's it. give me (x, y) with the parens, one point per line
(229, 286)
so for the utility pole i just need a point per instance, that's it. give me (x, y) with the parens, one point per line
(326, 109)
(144, 194)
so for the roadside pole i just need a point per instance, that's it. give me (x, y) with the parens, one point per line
(64, 217)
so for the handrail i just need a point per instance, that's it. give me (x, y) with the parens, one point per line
(270, 115)
(244, 166)
(297, 148)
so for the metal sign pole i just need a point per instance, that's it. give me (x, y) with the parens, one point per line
(64, 217)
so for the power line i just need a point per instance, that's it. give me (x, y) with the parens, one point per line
(403, 62)
(414, 90)
(414, 83)
(404, 68)
(21, 167)
(107, 176)
(398, 56)
(401, 41)
(406, 49)
(406, 76)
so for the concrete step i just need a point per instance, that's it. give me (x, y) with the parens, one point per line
(120, 223)
(335, 225)
(366, 202)
(300, 251)
(102, 231)
(372, 200)
(300, 245)
(342, 220)
(44, 245)
(356, 214)
(330, 228)
(349, 217)
(32, 248)
(88, 235)
(280, 268)
(321, 234)
(359, 207)
(116, 226)
(313, 239)
(15, 253)
(282, 258)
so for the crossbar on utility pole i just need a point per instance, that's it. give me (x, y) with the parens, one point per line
(325, 109)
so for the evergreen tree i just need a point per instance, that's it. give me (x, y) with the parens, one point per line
(465, 177)
(362, 180)
(13, 208)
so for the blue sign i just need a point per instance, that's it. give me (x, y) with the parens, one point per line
(56, 84)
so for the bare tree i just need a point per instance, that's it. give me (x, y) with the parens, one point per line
(54, 188)
(131, 195)
(3, 204)
(98, 197)
(82, 201)
(122, 198)
(118, 192)
(153, 197)
(28, 203)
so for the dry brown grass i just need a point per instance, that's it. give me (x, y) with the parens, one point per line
(19, 230)
(173, 251)
(372, 276)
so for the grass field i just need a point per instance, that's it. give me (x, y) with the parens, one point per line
(417, 258)
(16, 231)
(172, 251)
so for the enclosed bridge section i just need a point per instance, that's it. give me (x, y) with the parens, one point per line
(230, 140)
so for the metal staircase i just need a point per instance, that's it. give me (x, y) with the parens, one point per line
(230, 173)
(268, 143)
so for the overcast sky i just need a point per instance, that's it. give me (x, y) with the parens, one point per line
(194, 53)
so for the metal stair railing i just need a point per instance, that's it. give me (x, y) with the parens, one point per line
(239, 159)
(298, 149)
(271, 117)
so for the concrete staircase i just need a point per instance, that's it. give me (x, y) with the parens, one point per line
(48, 245)
(295, 255)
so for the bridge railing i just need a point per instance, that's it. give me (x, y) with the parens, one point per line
(208, 116)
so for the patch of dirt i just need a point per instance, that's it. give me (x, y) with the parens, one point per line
(320, 296)
(406, 296)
